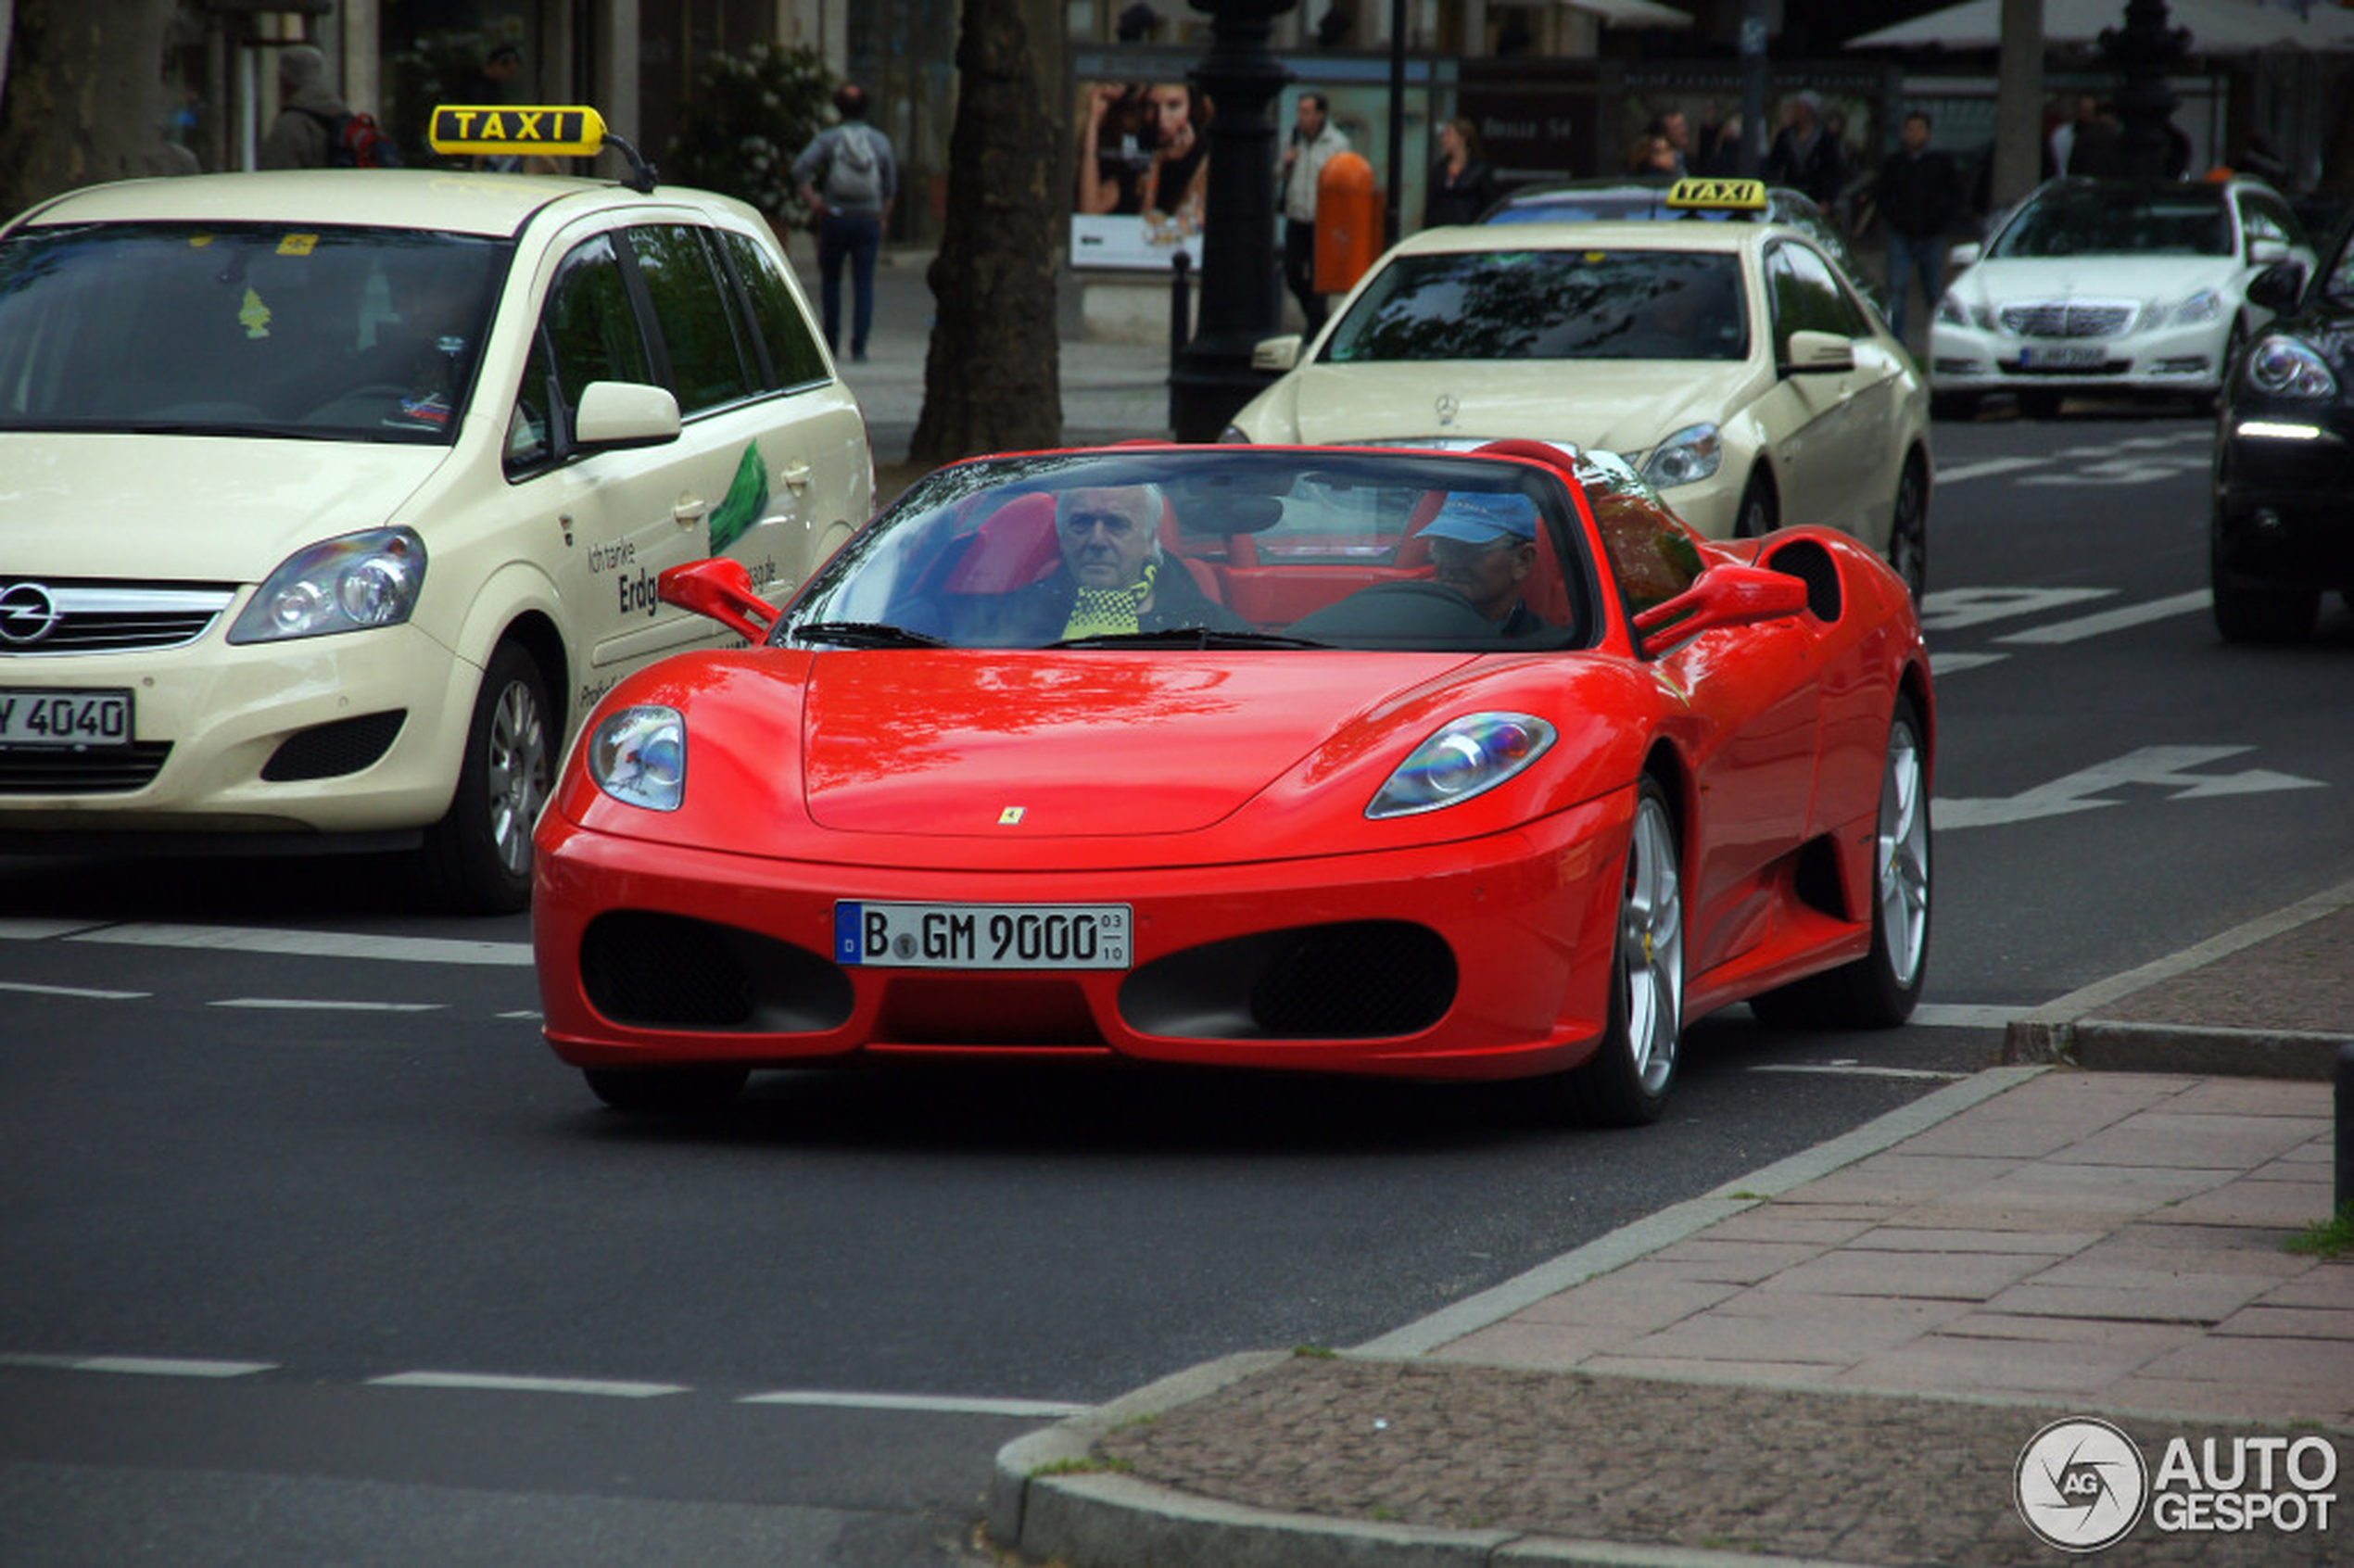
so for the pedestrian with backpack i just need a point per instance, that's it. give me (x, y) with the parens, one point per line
(315, 129)
(849, 179)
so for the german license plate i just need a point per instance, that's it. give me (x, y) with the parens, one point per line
(64, 718)
(2073, 356)
(983, 936)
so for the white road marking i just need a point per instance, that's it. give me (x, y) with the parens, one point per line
(1857, 1070)
(142, 1366)
(41, 930)
(83, 992)
(1951, 609)
(310, 1004)
(1963, 1015)
(2165, 767)
(495, 1383)
(1943, 664)
(935, 1404)
(315, 944)
(2111, 620)
(1984, 467)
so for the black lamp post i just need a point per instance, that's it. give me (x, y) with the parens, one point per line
(1241, 297)
(2143, 50)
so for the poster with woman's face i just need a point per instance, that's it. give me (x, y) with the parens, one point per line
(1142, 180)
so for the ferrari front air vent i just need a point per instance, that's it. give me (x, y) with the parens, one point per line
(1359, 980)
(1809, 561)
(650, 971)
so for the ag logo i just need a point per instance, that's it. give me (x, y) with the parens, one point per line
(2080, 1485)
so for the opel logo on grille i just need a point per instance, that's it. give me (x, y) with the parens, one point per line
(26, 614)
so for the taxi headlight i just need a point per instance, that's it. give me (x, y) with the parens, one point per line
(2204, 306)
(350, 583)
(1690, 455)
(1233, 433)
(638, 756)
(1468, 757)
(2283, 367)
(1949, 311)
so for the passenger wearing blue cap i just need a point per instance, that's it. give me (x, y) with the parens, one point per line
(1484, 546)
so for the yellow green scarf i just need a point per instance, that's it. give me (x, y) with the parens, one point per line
(1102, 611)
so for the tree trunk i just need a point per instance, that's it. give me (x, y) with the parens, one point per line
(993, 379)
(85, 97)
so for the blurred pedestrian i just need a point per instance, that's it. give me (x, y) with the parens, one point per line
(849, 180)
(309, 112)
(1919, 194)
(1671, 127)
(1806, 156)
(1315, 142)
(1462, 185)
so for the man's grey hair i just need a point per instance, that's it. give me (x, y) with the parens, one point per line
(301, 67)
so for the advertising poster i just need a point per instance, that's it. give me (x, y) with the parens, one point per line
(1142, 180)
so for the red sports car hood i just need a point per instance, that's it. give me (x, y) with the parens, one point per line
(1077, 745)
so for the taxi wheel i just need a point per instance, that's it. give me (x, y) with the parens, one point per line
(1909, 529)
(478, 857)
(1759, 511)
(1879, 990)
(681, 1090)
(1626, 1083)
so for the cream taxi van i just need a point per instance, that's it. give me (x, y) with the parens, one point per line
(331, 500)
(1735, 364)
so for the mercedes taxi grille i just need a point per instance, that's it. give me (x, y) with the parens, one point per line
(78, 615)
(2069, 318)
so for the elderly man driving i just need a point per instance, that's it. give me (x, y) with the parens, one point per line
(1484, 546)
(1114, 578)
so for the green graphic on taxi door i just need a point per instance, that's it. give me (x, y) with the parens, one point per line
(747, 498)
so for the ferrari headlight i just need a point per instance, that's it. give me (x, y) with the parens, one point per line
(2281, 367)
(638, 756)
(350, 583)
(1469, 758)
(1691, 454)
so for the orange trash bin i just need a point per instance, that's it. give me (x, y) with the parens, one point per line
(1348, 223)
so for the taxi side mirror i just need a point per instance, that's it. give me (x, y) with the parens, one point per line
(1277, 354)
(1728, 594)
(2266, 252)
(2277, 286)
(619, 415)
(1963, 256)
(1818, 353)
(721, 588)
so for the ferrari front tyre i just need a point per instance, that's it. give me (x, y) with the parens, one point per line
(666, 1088)
(478, 855)
(1625, 1083)
(1879, 990)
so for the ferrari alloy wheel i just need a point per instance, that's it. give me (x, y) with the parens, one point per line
(682, 1090)
(1626, 1082)
(479, 854)
(1879, 990)
(1909, 529)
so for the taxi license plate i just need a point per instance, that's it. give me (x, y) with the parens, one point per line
(64, 718)
(983, 936)
(2073, 356)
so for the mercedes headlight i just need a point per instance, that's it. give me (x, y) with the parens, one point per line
(1468, 757)
(350, 583)
(2204, 306)
(2283, 367)
(1691, 454)
(638, 756)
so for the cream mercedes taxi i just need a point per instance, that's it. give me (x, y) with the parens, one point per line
(1735, 365)
(331, 500)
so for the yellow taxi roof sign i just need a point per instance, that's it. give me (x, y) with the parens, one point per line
(484, 130)
(1718, 196)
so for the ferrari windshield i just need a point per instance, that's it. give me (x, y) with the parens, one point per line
(1217, 547)
(1548, 304)
(2118, 221)
(243, 329)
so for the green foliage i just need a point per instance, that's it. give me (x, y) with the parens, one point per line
(750, 116)
(2328, 1238)
(443, 68)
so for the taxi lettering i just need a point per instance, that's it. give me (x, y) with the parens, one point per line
(640, 593)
